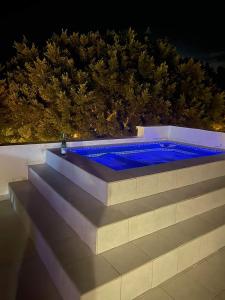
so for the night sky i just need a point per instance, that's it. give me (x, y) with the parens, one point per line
(196, 28)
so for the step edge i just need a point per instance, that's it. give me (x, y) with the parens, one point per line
(68, 205)
(129, 217)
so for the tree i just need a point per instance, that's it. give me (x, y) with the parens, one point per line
(103, 85)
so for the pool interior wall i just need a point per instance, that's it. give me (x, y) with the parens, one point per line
(136, 155)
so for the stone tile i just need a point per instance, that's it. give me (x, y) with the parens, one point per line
(134, 207)
(212, 242)
(162, 249)
(164, 267)
(93, 272)
(175, 236)
(208, 276)
(126, 257)
(200, 173)
(181, 243)
(196, 190)
(188, 254)
(165, 216)
(192, 173)
(154, 245)
(155, 294)
(147, 185)
(205, 170)
(216, 169)
(101, 216)
(157, 201)
(180, 194)
(136, 282)
(215, 217)
(112, 235)
(212, 185)
(195, 227)
(71, 250)
(217, 260)
(185, 176)
(141, 225)
(135, 268)
(192, 207)
(161, 242)
(121, 191)
(183, 287)
(218, 197)
(167, 181)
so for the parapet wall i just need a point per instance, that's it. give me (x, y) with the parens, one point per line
(14, 159)
(183, 134)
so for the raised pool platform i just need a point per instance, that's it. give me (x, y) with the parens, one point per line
(116, 234)
(186, 164)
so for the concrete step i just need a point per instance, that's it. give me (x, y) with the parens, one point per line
(98, 225)
(124, 272)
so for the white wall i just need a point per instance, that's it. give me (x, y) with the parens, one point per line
(183, 134)
(198, 136)
(154, 132)
(14, 159)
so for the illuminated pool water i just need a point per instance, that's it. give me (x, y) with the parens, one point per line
(121, 157)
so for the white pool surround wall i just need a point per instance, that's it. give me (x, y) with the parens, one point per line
(154, 132)
(14, 159)
(182, 134)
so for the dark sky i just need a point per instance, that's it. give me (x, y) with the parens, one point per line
(196, 27)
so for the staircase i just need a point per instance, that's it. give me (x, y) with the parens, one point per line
(118, 252)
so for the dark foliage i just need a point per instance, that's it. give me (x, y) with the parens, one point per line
(103, 85)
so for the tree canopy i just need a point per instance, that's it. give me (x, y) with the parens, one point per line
(97, 85)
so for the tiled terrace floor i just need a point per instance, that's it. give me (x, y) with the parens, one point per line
(23, 276)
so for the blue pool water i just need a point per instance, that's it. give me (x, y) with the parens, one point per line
(121, 157)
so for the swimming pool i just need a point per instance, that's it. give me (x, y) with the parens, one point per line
(127, 156)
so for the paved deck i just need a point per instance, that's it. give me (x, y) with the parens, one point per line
(23, 276)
